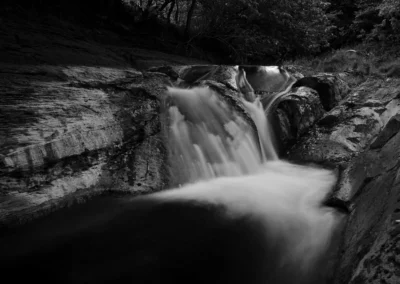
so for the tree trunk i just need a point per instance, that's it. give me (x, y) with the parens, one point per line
(149, 3)
(165, 4)
(146, 12)
(177, 13)
(170, 11)
(189, 18)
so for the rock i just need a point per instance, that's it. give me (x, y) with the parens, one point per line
(68, 133)
(76, 131)
(295, 114)
(381, 263)
(360, 138)
(262, 78)
(167, 70)
(331, 88)
(295, 71)
(346, 130)
(391, 129)
(371, 188)
(191, 74)
(299, 109)
(267, 78)
(194, 74)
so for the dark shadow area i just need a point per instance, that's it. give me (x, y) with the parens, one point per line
(323, 90)
(90, 33)
(111, 240)
(148, 240)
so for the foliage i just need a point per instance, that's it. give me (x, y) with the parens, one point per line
(378, 20)
(239, 31)
(389, 28)
(249, 30)
(342, 13)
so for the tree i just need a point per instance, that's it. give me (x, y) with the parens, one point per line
(189, 17)
(378, 20)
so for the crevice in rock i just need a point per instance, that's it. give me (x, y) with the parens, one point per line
(323, 89)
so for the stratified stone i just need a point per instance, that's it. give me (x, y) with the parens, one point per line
(71, 132)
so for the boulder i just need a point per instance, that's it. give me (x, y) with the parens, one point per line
(330, 88)
(348, 128)
(294, 115)
(298, 109)
(370, 187)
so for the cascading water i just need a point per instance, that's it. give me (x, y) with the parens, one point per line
(209, 139)
(241, 216)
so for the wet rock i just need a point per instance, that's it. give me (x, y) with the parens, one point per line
(295, 114)
(370, 186)
(382, 263)
(330, 88)
(195, 74)
(347, 129)
(69, 132)
(300, 108)
(167, 70)
(391, 129)
(267, 78)
(295, 71)
(360, 138)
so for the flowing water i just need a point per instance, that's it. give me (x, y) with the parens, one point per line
(242, 215)
(209, 139)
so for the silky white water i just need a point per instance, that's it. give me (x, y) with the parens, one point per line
(221, 159)
(209, 138)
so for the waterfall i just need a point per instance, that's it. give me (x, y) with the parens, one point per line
(239, 215)
(210, 139)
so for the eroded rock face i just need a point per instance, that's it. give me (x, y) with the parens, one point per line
(360, 138)
(76, 131)
(349, 128)
(301, 107)
(295, 114)
(371, 187)
(330, 88)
